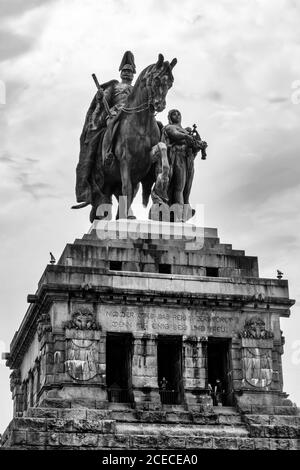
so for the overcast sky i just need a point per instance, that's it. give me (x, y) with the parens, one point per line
(237, 64)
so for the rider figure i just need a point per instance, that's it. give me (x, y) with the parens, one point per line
(97, 121)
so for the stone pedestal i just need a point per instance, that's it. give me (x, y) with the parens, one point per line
(154, 283)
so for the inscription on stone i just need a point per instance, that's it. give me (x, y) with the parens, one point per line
(168, 321)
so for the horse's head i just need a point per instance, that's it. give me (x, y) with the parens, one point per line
(159, 79)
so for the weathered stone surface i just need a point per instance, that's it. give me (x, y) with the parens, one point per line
(36, 438)
(144, 442)
(199, 442)
(245, 444)
(98, 414)
(42, 413)
(119, 441)
(73, 413)
(261, 444)
(30, 424)
(18, 437)
(227, 443)
(109, 426)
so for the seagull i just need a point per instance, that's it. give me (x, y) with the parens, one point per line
(52, 259)
(279, 274)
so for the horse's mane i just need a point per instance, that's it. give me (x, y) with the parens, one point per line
(165, 68)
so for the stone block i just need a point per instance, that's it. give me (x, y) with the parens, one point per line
(68, 440)
(42, 413)
(262, 444)
(92, 415)
(109, 426)
(262, 420)
(245, 444)
(72, 413)
(18, 438)
(29, 424)
(175, 442)
(58, 425)
(83, 403)
(231, 420)
(177, 417)
(119, 441)
(102, 404)
(55, 403)
(256, 430)
(285, 410)
(144, 442)
(36, 438)
(84, 425)
(227, 443)
(282, 444)
(262, 409)
(199, 442)
(53, 439)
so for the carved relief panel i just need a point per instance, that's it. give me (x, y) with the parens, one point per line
(82, 345)
(257, 345)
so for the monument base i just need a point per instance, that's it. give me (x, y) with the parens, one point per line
(136, 335)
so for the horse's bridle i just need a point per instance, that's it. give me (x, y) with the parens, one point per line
(141, 107)
(146, 104)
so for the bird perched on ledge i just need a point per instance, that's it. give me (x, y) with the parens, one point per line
(52, 258)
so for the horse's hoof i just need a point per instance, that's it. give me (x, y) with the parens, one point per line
(131, 217)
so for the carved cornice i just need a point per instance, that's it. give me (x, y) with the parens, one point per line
(50, 293)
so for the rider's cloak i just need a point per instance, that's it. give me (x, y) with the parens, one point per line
(94, 124)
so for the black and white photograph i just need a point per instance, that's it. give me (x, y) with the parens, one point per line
(150, 228)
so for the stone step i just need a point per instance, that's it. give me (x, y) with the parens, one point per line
(97, 433)
(225, 410)
(181, 430)
(269, 431)
(225, 418)
(270, 410)
(274, 420)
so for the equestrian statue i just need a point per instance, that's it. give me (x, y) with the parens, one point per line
(122, 145)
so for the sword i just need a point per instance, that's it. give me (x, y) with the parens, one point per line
(104, 99)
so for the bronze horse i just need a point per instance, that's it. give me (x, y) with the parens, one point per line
(136, 143)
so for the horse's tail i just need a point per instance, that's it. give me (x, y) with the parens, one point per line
(81, 205)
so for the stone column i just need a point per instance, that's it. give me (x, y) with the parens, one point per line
(101, 396)
(144, 371)
(17, 392)
(195, 370)
(236, 364)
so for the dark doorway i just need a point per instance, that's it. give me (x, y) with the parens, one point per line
(164, 268)
(219, 370)
(118, 367)
(169, 361)
(115, 265)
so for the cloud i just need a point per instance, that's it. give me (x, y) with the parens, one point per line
(12, 45)
(15, 8)
(24, 176)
